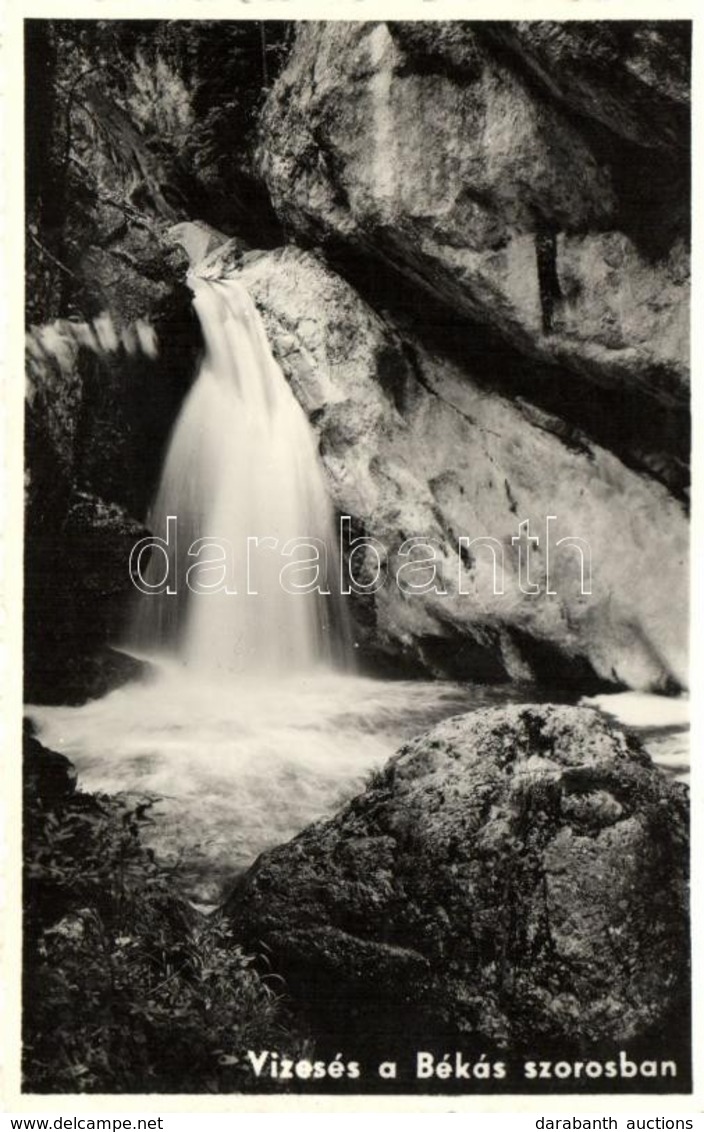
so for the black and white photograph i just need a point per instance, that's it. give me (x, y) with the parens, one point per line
(356, 556)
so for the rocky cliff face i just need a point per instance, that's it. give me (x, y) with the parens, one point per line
(415, 445)
(510, 205)
(485, 318)
(531, 178)
(101, 397)
(515, 877)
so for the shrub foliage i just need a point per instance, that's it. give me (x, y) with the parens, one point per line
(127, 988)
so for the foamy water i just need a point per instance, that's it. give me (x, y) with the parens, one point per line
(241, 765)
(640, 710)
(661, 722)
(244, 573)
(240, 756)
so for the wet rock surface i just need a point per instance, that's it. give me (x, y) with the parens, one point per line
(515, 876)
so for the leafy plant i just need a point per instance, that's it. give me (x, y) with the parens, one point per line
(127, 988)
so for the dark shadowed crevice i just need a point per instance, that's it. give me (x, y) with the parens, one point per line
(548, 280)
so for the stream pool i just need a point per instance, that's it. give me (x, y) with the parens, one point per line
(240, 765)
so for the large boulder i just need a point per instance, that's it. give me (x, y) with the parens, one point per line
(516, 876)
(415, 444)
(531, 178)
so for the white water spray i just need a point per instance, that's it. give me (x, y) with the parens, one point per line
(242, 465)
(244, 762)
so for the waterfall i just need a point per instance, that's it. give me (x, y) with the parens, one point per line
(242, 465)
(240, 765)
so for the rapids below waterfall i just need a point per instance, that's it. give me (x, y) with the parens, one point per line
(242, 765)
(249, 727)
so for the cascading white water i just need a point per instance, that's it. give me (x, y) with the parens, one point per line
(242, 465)
(247, 745)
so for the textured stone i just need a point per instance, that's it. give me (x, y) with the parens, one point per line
(431, 149)
(631, 76)
(78, 593)
(100, 400)
(47, 775)
(414, 445)
(514, 876)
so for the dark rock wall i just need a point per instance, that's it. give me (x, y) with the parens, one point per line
(97, 420)
(493, 324)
